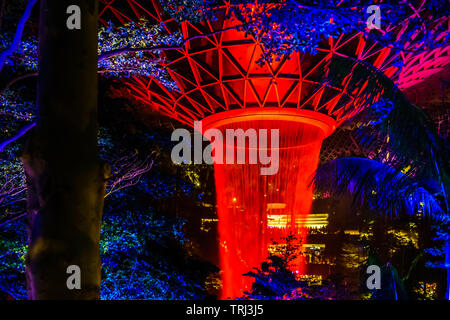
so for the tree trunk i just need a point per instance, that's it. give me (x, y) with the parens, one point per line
(65, 176)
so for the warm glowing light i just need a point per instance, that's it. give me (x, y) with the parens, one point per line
(268, 206)
(276, 206)
(311, 221)
(207, 223)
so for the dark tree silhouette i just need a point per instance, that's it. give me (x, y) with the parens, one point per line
(65, 176)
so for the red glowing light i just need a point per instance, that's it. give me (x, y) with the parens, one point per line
(247, 200)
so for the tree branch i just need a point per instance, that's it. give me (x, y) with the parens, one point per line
(117, 52)
(17, 136)
(334, 10)
(12, 218)
(129, 171)
(17, 79)
(18, 36)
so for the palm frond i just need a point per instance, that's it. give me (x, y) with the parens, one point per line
(409, 137)
(376, 186)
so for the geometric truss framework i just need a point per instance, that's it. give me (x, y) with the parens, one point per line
(218, 72)
(422, 66)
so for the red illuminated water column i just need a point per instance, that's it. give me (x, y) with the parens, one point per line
(254, 208)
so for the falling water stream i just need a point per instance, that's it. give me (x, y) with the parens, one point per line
(254, 209)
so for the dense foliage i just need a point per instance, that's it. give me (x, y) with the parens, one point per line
(144, 251)
(144, 247)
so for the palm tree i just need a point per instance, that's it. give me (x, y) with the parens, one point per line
(409, 175)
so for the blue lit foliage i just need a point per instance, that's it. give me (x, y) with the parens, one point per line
(12, 186)
(163, 187)
(142, 252)
(403, 137)
(135, 248)
(288, 26)
(165, 180)
(14, 109)
(194, 11)
(282, 26)
(12, 260)
(385, 190)
(441, 251)
(25, 58)
(295, 25)
(409, 170)
(410, 139)
(377, 186)
(132, 266)
(118, 57)
(146, 61)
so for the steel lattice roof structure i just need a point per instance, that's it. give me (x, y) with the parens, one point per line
(217, 71)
